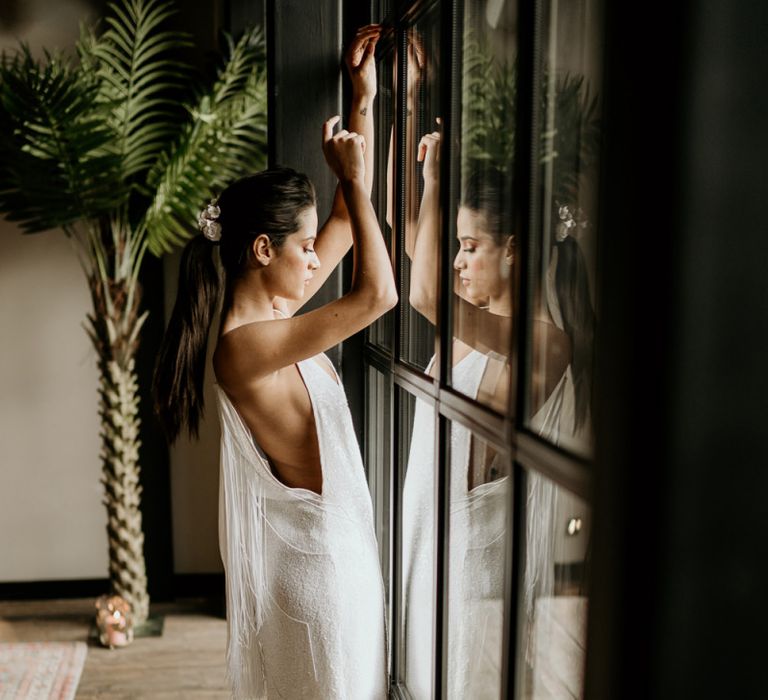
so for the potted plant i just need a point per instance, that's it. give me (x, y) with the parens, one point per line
(119, 152)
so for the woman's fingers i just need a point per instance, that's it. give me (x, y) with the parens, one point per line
(351, 136)
(363, 34)
(370, 51)
(359, 46)
(361, 37)
(429, 143)
(423, 147)
(328, 128)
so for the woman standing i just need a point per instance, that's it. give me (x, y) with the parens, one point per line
(305, 600)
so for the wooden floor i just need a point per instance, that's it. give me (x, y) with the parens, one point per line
(187, 661)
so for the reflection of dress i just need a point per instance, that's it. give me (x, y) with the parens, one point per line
(555, 422)
(476, 565)
(305, 598)
(554, 623)
(477, 546)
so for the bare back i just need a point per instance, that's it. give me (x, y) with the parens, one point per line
(278, 412)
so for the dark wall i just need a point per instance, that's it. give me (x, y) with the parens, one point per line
(677, 604)
(307, 85)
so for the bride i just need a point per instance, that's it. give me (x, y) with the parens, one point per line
(305, 599)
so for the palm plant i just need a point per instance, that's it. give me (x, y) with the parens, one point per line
(115, 150)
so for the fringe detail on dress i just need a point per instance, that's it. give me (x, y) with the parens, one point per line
(245, 557)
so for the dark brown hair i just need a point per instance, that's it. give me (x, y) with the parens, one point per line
(488, 191)
(269, 202)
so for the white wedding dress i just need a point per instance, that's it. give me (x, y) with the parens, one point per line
(305, 597)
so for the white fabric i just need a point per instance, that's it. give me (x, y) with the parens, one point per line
(305, 597)
(476, 565)
(477, 546)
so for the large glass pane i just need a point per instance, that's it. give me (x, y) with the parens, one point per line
(381, 332)
(560, 381)
(418, 293)
(553, 605)
(484, 250)
(478, 535)
(377, 463)
(417, 454)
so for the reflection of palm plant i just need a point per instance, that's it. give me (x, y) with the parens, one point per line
(568, 149)
(488, 120)
(105, 150)
(572, 144)
(489, 96)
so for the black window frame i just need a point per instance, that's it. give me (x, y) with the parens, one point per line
(508, 433)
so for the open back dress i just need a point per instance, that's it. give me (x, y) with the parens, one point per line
(305, 597)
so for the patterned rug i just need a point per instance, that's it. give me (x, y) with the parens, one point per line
(40, 670)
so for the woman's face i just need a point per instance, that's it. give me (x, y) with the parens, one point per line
(481, 263)
(296, 261)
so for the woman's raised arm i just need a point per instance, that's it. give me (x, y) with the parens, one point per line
(335, 236)
(256, 350)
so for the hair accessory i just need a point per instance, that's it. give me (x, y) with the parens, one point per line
(570, 219)
(208, 224)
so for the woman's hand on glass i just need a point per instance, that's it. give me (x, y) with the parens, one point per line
(416, 59)
(361, 63)
(344, 152)
(429, 154)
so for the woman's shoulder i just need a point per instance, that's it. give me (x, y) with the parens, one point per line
(552, 353)
(235, 350)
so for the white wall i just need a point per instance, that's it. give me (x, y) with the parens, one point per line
(52, 523)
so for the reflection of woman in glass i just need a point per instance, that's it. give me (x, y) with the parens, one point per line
(484, 269)
(305, 599)
(483, 320)
(478, 488)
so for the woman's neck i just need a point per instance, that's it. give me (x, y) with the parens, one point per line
(246, 301)
(500, 306)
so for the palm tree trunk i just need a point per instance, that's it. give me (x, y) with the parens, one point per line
(122, 491)
(114, 327)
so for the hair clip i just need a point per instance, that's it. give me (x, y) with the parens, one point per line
(207, 222)
(569, 219)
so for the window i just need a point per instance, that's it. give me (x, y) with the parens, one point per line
(479, 433)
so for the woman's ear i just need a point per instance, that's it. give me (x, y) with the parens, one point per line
(262, 249)
(509, 250)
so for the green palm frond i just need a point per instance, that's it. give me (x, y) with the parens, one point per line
(225, 139)
(138, 79)
(54, 165)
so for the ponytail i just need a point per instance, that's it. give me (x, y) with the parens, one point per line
(180, 370)
(270, 202)
(572, 289)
